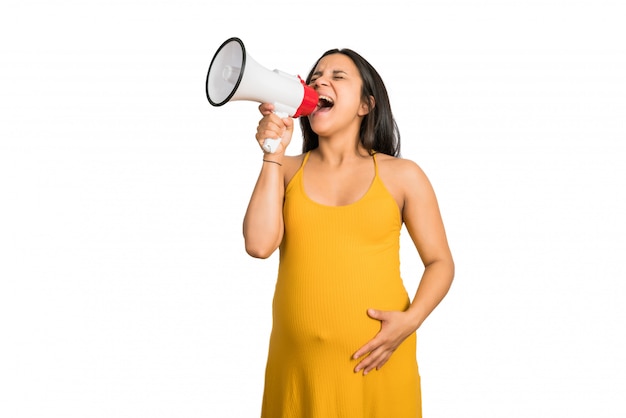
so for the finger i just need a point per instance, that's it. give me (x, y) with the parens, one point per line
(371, 362)
(264, 134)
(276, 119)
(270, 129)
(288, 123)
(371, 357)
(266, 108)
(367, 348)
(365, 364)
(378, 364)
(383, 362)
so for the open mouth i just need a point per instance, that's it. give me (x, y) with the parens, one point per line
(325, 102)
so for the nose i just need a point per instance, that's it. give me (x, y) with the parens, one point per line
(320, 81)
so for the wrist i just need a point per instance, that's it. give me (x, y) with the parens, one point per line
(273, 159)
(415, 318)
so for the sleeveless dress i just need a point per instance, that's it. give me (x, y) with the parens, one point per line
(335, 263)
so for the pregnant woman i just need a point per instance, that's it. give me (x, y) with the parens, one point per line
(343, 335)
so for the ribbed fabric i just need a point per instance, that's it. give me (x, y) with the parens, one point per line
(335, 263)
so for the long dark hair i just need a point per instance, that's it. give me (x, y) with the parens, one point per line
(379, 131)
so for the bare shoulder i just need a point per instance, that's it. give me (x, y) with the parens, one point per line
(401, 172)
(291, 164)
(404, 179)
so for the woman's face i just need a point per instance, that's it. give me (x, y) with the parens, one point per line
(337, 81)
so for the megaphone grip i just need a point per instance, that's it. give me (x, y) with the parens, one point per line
(270, 144)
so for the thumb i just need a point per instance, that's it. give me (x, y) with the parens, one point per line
(376, 314)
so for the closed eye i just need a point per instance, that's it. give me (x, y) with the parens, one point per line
(337, 75)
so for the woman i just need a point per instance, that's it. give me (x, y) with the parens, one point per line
(343, 336)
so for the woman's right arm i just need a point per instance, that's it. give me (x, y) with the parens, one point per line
(263, 223)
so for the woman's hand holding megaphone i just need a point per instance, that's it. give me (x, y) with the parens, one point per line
(273, 127)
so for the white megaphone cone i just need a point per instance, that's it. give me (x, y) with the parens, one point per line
(234, 75)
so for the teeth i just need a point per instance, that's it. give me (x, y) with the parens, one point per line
(325, 101)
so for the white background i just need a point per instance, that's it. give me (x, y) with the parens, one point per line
(125, 290)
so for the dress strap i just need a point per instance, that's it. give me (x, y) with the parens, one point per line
(306, 157)
(375, 163)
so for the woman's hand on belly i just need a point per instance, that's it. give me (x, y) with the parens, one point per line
(395, 327)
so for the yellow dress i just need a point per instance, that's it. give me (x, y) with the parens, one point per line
(335, 263)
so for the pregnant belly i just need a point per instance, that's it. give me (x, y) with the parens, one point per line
(332, 311)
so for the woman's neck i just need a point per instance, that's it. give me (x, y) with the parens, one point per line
(336, 152)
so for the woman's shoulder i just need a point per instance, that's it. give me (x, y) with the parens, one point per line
(405, 180)
(402, 177)
(293, 162)
(399, 167)
(291, 165)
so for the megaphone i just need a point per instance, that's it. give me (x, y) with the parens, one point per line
(234, 75)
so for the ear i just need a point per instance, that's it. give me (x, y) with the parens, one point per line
(367, 107)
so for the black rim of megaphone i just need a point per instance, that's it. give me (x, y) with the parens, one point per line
(243, 66)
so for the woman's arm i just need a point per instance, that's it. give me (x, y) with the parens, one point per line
(263, 222)
(425, 226)
(420, 212)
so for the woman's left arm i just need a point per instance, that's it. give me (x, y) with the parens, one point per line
(421, 215)
(425, 226)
